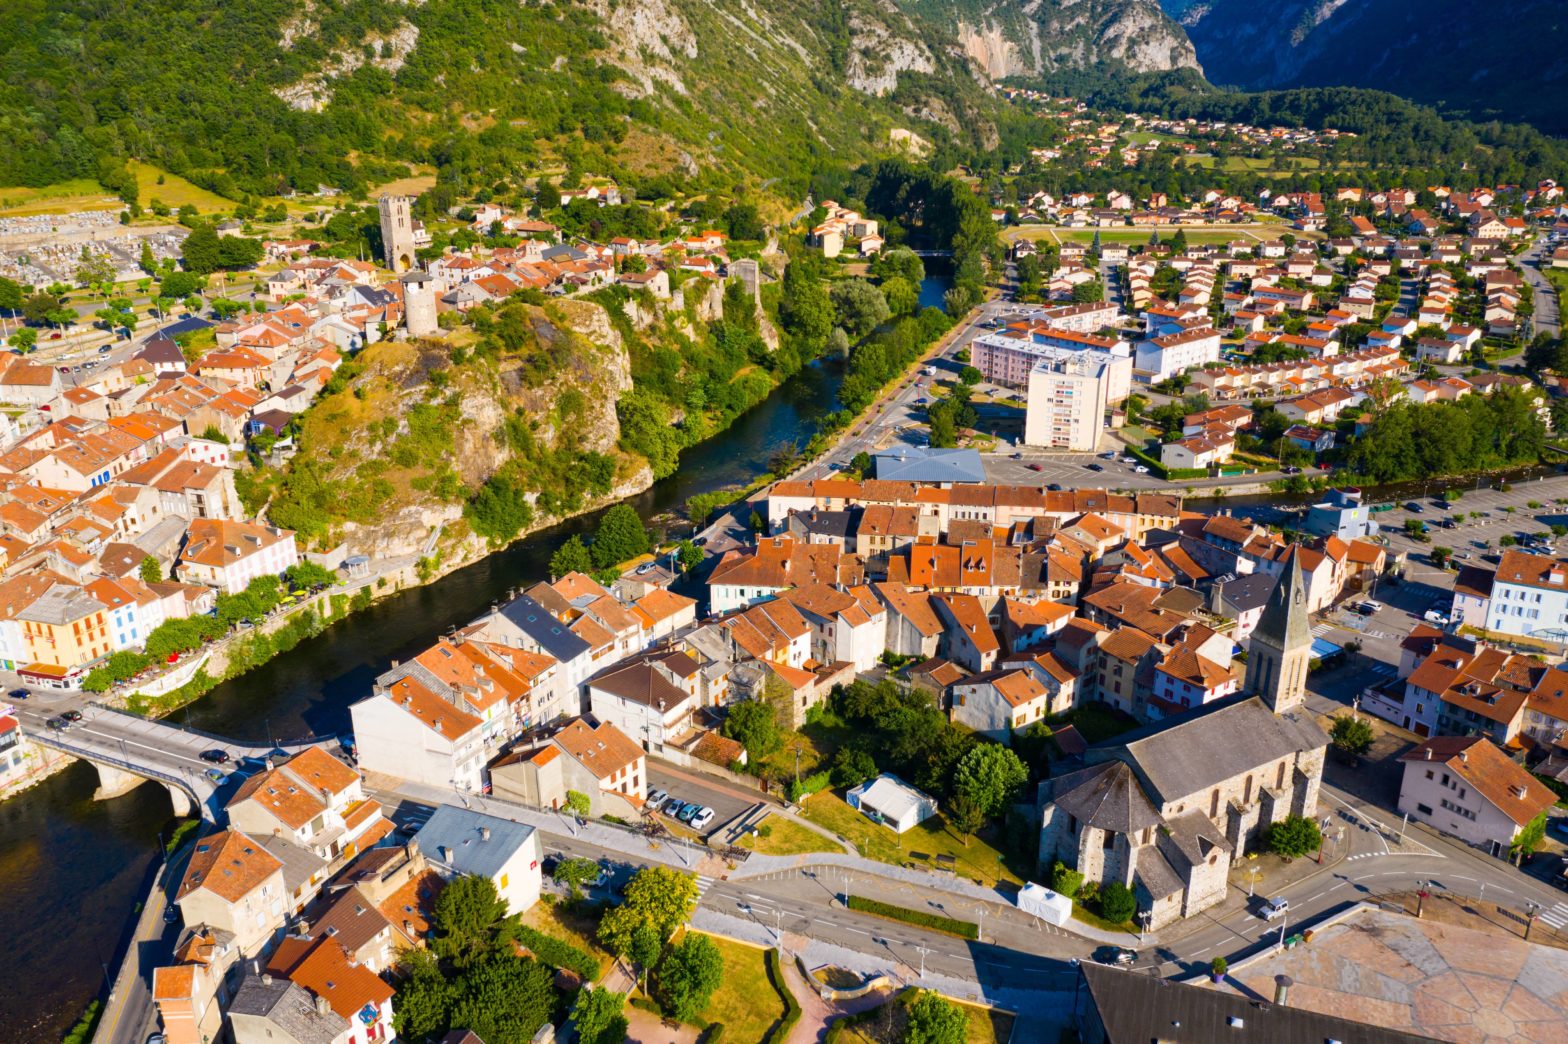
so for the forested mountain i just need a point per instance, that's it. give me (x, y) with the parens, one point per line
(1029, 37)
(262, 96)
(1479, 61)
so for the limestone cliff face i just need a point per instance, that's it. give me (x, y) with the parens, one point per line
(1030, 37)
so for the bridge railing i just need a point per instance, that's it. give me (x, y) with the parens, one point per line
(99, 756)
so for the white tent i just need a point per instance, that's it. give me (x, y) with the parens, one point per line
(1045, 904)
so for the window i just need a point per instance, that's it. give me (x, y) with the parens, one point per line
(504, 879)
(1425, 810)
(1429, 773)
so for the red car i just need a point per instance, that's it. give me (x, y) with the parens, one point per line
(1036, 467)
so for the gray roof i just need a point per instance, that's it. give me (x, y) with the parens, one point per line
(457, 839)
(1245, 593)
(1285, 623)
(842, 524)
(550, 634)
(1106, 796)
(1136, 1008)
(918, 464)
(1186, 755)
(1155, 874)
(300, 864)
(287, 1006)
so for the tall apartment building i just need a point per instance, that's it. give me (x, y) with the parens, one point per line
(1068, 396)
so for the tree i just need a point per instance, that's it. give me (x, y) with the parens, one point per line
(574, 873)
(859, 306)
(990, 775)
(620, 537)
(1440, 556)
(94, 269)
(742, 221)
(689, 555)
(852, 767)
(1065, 880)
(688, 975)
(578, 803)
(467, 914)
(504, 999)
(308, 574)
(423, 998)
(180, 284)
(1528, 839)
(10, 295)
(571, 557)
(1117, 903)
(599, 1016)
(933, 1019)
(147, 262)
(970, 375)
(657, 896)
(24, 340)
(965, 815)
(1351, 734)
(201, 252)
(902, 296)
(150, 570)
(753, 725)
(1293, 836)
(1089, 293)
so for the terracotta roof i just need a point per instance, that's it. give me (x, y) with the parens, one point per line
(228, 864)
(1490, 772)
(326, 970)
(603, 750)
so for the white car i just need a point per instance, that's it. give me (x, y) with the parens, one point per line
(1434, 616)
(1275, 908)
(1129, 460)
(1141, 469)
(703, 817)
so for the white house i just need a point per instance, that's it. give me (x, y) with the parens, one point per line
(407, 729)
(1529, 596)
(650, 699)
(998, 703)
(228, 555)
(1165, 357)
(459, 842)
(1467, 787)
(892, 802)
(846, 626)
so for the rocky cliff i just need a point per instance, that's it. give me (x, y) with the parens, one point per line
(1030, 37)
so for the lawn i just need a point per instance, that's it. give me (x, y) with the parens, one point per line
(917, 847)
(785, 837)
(746, 1002)
(67, 196)
(986, 1025)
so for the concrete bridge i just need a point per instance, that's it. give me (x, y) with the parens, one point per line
(128, 751)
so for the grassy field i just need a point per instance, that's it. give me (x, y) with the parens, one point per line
(986, 1025)
(87, 194)
(555, 918)
(918, 846)
(410, 186)
(746, 1002)
(788, 838)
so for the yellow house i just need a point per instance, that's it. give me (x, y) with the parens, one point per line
(65, 628)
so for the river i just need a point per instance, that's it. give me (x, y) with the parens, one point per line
(72, 868)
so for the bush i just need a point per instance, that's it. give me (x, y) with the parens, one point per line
(558, 953)
(1293, 836)
(813, 783)
(780, 1031)
(1218, 965)
(1065, 880)
(949, 925)
(1117, 903)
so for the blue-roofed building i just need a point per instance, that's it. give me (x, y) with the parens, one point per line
(919, 464)
(458, 842)
(525, 623)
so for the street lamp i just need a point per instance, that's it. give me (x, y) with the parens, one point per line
(1144, 917)
(923, 951)
(1421, 897)
(1531, 909)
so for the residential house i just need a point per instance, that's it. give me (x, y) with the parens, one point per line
(1466, 787)
(459, 842)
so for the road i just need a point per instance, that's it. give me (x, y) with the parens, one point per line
(1548, 316)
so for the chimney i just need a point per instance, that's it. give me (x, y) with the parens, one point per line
(1428, 753)
(445, 852)
(1282, 985)
(322, 1007)
(266, 980)
(484, 833)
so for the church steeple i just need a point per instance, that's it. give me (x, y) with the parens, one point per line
(1281, 646)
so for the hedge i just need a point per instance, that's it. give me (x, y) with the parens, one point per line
(810, 785)
(781, 1029)
(950, 925)
(558, 953)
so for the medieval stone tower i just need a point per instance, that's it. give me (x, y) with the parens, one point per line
(1281, 645)
(397, 232)
(419, 304)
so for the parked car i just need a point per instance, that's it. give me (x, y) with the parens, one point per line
(1055, 487)
(687, 811)
(1094, 467)
(58, 724)
(655, 799)
(1369, 606)
(673, 806)
(703, 817)
(1291, 469)
(1433, 616)
(215, 756)
(1414, 508)
(1036, 467)
(214, 776)
(1129, 460)
(1141, 469)
(1275, 908)
(19, 694)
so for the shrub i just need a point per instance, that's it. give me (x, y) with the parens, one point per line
(1293, 836)
(810, 785)
(780, 1031)
(1117, 903)
(558, 953)
(1065, 880)
(1218, 965)
(949, 925)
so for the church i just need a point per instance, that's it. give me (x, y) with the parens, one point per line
(1166, 809)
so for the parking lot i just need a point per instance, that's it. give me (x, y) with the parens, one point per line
(726, 803)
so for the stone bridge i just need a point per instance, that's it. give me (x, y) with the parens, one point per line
(128, 751)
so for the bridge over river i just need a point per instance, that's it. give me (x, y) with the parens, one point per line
(128, 750)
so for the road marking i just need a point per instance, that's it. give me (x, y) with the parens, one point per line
(857, 931)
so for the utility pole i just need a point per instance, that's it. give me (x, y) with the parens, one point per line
(1532, 909)
(923, 951)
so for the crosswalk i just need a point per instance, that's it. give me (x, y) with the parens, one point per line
(1382, 670)
(1556, 917)
(1323, 630)
(703, 884)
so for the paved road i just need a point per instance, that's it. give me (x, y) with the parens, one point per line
(1548, 317)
